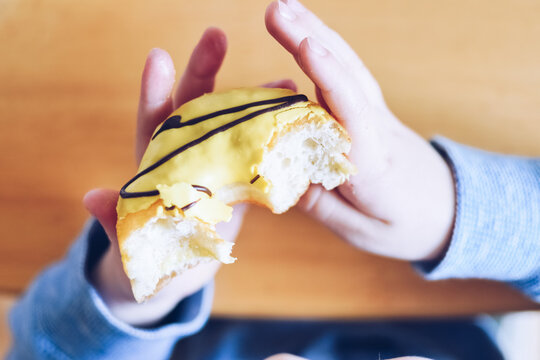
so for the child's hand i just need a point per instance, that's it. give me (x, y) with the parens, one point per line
(401, 201)
(155, 104)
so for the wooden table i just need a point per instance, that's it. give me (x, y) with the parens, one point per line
(69, 77)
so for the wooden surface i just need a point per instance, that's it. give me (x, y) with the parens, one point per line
(6, 302)
(69, 79)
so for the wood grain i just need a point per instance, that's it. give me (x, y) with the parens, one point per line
(68, 97)
(6, 302)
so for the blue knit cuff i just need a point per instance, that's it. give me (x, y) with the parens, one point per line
(62, 315)
(496, 233)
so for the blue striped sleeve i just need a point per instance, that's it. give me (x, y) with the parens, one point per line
(61, 316)
(496, 233)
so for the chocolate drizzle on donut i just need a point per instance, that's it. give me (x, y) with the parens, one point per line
(174, 122)
(255, 179)
(184, 208)
(203, 189)
(190, 205)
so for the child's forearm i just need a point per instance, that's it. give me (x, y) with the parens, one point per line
(62, 316)
(496, 232)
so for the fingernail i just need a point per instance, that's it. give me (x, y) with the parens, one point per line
(218, 39)
(162, 60)
(296, 6)
(90, 194)
(154, 51)
(316, 47)
(285, 11)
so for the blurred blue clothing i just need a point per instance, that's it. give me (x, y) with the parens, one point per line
(496, 236)
(496, 231)
(61, 316)
(251, 339)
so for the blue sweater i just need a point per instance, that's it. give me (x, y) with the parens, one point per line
(496, 236)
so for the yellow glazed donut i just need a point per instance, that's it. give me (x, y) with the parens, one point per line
(252, 144)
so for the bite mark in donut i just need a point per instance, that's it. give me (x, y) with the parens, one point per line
(259, 145)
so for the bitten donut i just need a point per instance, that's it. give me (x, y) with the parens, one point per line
(253, 144)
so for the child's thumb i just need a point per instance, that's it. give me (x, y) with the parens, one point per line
(101, 203)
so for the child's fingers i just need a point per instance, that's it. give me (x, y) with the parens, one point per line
(101, 203)
(285, 357)
(206, 59)
(289, 23)
(331, 209)
(155, 102)
(282, 84)
(347, 102)
(342, 94)
(320, 99)
(158, 79)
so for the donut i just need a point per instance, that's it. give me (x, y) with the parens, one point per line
(258, 145)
